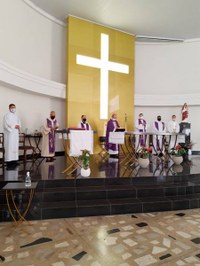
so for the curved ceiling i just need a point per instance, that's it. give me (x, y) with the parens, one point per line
(170, 19)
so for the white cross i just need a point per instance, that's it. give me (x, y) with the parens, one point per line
(104, 65)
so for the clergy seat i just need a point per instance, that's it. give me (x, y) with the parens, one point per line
(24, 147)
(2, 150)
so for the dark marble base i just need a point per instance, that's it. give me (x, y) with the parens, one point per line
(75, 197)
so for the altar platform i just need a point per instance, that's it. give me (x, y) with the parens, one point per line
(112, 188)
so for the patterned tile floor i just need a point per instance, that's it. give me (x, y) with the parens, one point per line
(167, 238)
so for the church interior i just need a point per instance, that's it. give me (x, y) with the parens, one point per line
(103, 167)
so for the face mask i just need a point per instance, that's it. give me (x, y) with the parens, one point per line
(159, 118)
(13, 110)
(52, 117)
(84, 120)
(141, 117)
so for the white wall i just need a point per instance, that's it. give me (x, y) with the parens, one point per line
(31, 42)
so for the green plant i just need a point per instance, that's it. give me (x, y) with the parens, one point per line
(85, 158)
(187, 145)
(178, 151)
(144, 152)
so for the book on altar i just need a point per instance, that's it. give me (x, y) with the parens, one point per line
(76, 128)
(120, 130)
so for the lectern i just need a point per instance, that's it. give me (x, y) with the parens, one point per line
(185, 128)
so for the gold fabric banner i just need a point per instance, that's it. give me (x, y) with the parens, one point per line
(100, 75)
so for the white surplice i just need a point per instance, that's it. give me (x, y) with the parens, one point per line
(173, 127)
(158, 139)
(11, 136)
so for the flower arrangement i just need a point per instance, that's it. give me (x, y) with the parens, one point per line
(144, 152)
(85, 158)
(178, 151)
(187, 145)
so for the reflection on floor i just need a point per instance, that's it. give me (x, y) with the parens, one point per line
(42, 170)
(169, 238)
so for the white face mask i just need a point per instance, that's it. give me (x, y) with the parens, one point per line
(13, 110)
(141, 117)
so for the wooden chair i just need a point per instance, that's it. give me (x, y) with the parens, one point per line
(24, 147)
(2, 149)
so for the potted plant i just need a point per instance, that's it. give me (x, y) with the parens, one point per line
(177, 154)
(188, 148)
(143, 154)
(85, 159)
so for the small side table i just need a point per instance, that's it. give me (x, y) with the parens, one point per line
(10, 188)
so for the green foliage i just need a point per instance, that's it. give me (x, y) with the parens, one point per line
(85, 158)
(178, 151)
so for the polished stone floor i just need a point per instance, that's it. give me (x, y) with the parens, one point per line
(100, 168)
(167, 238)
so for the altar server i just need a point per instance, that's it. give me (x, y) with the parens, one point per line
(11, 125)
(173, 127)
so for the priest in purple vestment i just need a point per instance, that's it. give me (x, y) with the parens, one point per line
(141, 126)
(112, 125)
(84, 124)
(49, 137)
(159, 128)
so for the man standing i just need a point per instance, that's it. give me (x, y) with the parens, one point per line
(49, 137)
(159, 128)
(84, 124)
(141, 126)
(173, 127)
(112, 125)
(11, 125)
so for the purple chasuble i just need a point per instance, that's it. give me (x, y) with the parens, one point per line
(159, 142)
(142, 121)
(87, 126)
(156, 125)
(141, 137)
(110, 128)
(51, 135)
